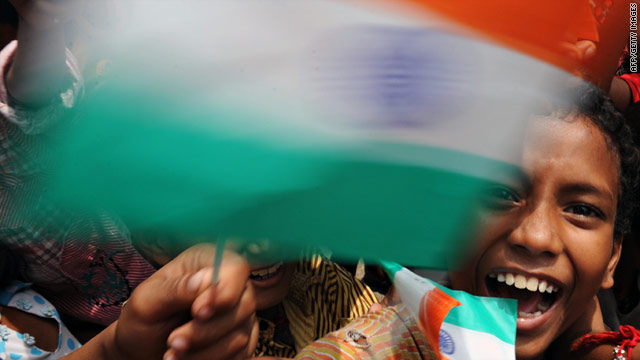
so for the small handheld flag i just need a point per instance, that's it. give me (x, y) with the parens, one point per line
(474, 327)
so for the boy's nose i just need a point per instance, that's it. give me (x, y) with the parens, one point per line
(537, 232)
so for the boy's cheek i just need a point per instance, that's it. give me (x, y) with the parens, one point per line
(462, 279)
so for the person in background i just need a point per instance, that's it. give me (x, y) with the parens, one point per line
(84, 264)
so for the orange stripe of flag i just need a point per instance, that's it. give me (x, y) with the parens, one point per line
(536, 28)
(434, 307)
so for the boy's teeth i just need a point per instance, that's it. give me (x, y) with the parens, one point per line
(267, 271)
(510, 279)
(522, 282)
(542, 286)
(543, 306)
(532, 284)
(527, 315)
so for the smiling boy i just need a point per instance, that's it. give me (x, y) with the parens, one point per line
(549, 238)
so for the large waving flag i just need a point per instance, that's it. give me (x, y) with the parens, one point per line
(364, 127)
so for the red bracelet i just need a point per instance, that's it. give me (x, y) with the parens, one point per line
(625, 340)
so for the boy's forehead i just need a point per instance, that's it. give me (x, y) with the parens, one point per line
(557, 132)
(561, 137)
(571, 150)
(542, 126)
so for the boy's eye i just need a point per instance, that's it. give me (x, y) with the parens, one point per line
(499, 197)
(502, 193)
(584, 210)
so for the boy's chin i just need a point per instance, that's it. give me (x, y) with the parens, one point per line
(267, 302)
(270, 292)
(531, 348)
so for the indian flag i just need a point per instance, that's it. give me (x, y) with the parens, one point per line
(363, 127)
(462, 326)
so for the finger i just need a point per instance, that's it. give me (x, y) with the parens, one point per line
(233, 345)
(183, 343)
(161, 297)
(586, 49)
(197, 333)
(187, 278)
(570, 50)
(253, 340)
(201, 256)
(232, 283)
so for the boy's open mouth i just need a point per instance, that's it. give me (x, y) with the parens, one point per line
(265, 272)
(535, 296)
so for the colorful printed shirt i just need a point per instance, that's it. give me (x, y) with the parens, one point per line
(323, 297)
(85, 264)
(388, 334)
(633, 80)
(15, 345)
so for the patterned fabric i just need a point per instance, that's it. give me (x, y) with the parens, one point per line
(601, 9)
(633, 80)
(388, 334)
(14, 345)
(588, 16)
(323, 297)
(85, 264)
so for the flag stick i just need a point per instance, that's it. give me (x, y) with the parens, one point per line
(217, 260)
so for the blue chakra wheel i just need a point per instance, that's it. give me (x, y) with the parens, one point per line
(447, 345)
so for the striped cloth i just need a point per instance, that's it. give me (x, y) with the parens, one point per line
(83, 263)
(323, 297)
(388, 334)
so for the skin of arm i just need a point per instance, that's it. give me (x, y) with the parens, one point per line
(38, 71)
(620, 93)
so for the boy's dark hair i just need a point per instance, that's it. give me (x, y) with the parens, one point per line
(591, 102)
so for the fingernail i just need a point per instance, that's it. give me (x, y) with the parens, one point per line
(205, 313)
(590, 52)
(179, 343)
(170, 356)
(194, 282)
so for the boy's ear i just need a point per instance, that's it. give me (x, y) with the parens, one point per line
(607, 280)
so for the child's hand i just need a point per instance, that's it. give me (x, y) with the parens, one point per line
(580, 52)
(223, 327)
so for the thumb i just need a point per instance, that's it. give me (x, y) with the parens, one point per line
(162, 296)
(175, 287)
